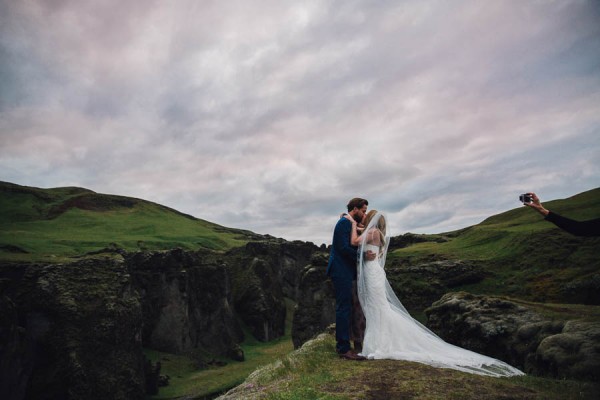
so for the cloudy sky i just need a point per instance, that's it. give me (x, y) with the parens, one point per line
(271, 115)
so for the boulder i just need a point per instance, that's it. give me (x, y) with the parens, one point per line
(574, 352)
(519, 334)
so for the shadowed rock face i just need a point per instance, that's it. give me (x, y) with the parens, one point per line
(584, 290)
(77, 330)
(186, 302)
(519, 335)
(264, 273)
(15, 354)
(315, 309)
(417, 286)
(72, 331)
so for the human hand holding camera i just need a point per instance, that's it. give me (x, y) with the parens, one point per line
(531, 200)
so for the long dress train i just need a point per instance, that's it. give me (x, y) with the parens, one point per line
(391, 333)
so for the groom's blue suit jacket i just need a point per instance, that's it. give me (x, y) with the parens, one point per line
(342, 259)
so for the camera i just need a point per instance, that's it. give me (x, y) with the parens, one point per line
(525, 198)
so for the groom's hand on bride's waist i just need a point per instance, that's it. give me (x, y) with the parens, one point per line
(369, 255)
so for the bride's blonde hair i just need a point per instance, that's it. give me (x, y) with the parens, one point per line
(381, 226)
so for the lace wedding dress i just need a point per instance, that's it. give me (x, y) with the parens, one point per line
(391, 332)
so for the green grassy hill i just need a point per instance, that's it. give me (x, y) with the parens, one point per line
(54, 224)
(522, 254)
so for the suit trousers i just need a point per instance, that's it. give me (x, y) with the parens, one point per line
(342, 285)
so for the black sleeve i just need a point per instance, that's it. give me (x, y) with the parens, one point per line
(577, 228)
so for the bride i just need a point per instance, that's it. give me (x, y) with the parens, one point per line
(391, 333)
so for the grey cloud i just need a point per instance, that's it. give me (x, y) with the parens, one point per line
(270, 116)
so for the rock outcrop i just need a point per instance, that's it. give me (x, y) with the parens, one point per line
(71, 331)
(16, 358)
(520, 335)
(77, 330)
(417, 286)
(264, 274)
(186, 302)
(315, 308)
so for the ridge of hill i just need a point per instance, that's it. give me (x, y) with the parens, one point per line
(517, 252)
(52, 224)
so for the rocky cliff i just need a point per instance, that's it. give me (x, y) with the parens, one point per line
(265, 273)
(76, 331)
(315, 308)
(71, 331)
(418, 285)
(560, 344)
(186, 302)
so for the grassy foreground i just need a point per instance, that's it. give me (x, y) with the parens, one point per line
(315, 372)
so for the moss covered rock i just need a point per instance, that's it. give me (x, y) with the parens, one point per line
(81, 331)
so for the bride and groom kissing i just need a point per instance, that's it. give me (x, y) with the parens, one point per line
(357, 260)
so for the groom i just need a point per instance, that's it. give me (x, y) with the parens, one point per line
(342, 271)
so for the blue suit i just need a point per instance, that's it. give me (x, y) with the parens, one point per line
(342, 271)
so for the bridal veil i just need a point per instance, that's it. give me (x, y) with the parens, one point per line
(391, 332)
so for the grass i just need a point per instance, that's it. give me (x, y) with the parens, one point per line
(56, 224)
(562, 311)
(187, 380)
(315, 372)
(504, 235)
(520, 253)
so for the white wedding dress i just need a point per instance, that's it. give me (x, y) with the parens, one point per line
(391, 333)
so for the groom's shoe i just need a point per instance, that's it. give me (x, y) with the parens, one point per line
(350, 355)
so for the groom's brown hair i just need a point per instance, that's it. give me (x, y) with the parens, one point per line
(357, 202)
